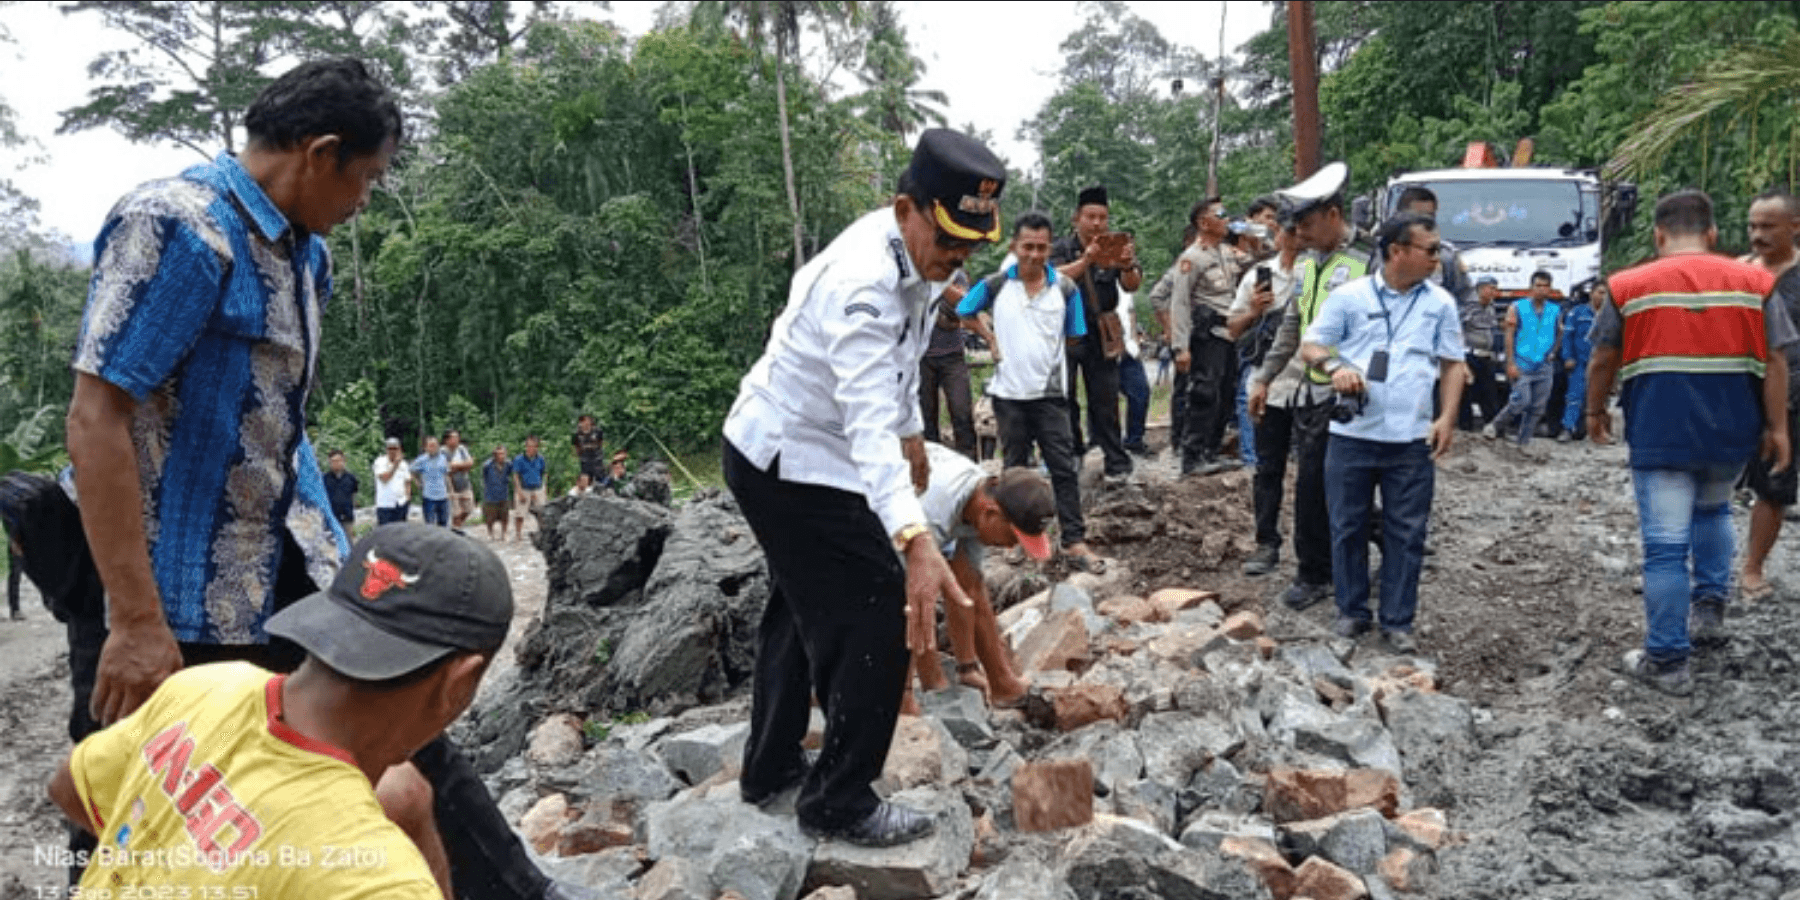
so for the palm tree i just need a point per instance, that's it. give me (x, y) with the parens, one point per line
(1744, 82)
(891, 71)
(779, 19)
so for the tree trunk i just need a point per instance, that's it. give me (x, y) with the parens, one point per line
(787, 153)
(1304, 72)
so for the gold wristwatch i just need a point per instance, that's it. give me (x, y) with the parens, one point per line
(905, 535)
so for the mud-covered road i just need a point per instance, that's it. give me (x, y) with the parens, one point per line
(1580, 785)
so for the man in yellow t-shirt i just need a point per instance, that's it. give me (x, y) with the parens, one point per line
(299, 786)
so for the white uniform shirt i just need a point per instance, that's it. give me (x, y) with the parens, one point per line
(837, 386)
(396, 490)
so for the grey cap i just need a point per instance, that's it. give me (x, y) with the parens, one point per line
(392, 442)
(410, 594)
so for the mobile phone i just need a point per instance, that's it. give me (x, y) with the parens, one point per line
(1264, 277)
(1111, 254)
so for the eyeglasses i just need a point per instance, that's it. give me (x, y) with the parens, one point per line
(946, 242)
(1431, 250)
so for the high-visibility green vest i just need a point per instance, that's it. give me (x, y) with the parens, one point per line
(1340, 266)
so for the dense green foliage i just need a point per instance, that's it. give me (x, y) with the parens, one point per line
(580, 222)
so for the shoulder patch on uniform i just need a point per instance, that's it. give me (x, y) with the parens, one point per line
(869, 308)
(1187, 265)
(898, 248)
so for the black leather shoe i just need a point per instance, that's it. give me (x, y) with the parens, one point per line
(808, 759)
(889, 825)
(1301, 595)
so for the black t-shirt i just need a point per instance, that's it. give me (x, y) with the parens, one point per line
(1099, 287)
(589, 446)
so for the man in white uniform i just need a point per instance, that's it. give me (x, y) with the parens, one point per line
(824, 451)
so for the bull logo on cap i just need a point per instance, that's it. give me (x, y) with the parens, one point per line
(381, 576)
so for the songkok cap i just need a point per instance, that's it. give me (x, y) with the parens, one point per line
(1024, 496)
(409, 595)
(1324, 185)
(962, 181)
(392, 442)
(1093, 196)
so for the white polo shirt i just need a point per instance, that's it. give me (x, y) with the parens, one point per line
(837, 387)
(1030, 331)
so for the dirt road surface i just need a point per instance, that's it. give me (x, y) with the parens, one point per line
(1581, 784)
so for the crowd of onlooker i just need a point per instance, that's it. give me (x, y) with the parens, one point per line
(452, 487)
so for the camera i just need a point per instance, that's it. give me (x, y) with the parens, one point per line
(1346, 407)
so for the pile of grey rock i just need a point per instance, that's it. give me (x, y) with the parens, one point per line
(1172, 749)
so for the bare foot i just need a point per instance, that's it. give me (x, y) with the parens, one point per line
(1009, 693)
(1754, 587)
(969, 675)
(909, 705)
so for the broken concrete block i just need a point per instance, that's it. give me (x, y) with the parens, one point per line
(1264, 860)
(1355, 840)
(675, 879)
(1067, 596)
(1426, 828)
(542, 825)
(740, 847)
(1024, 876)
(556, 741)
(1129, 609)
(1211, 829)
(1053, 794)
(963, 712)
(922, 753)
(1359, 742)
(1320, 880)
(1406, 870)
(1059, 642)
(1219, 785)
(1084, 704)
(1176, 744)
(1174, 600)
(1132, 833)
(1242, 626)
(1292, 795)
(1313, 660)
(589, 835)
(927, 867)
(834, 892)
(700, 754)
(1146, 801)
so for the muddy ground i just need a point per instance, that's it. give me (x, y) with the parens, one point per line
(1581, 785)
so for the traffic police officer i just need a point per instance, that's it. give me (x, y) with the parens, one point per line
(1336, 254)
(825, 454)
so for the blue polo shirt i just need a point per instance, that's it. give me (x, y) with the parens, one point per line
(1418, 327)
(530, 471)
(433, 470)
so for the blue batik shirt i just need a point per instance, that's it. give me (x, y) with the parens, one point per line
(530, 470)
(204, 307)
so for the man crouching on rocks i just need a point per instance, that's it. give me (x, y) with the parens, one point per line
(967, 510)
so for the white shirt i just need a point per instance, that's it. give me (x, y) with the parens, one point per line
(1127, 318)
(837, 387)
(394, 491)
(1031, 332)
(954, 478)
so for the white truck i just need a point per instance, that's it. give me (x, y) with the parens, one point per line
(1511, 222)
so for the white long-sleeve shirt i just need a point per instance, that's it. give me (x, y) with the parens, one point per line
(837, 386)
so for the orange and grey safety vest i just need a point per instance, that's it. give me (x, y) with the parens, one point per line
(1693, 314)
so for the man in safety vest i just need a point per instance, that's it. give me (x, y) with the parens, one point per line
(1698, 340)
(1337, 254)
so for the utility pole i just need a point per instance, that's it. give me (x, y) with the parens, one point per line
(1303, 72)
(1212, 166)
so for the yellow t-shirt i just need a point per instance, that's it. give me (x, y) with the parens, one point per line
(205, 793)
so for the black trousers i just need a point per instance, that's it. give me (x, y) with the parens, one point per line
(1177, 412)
(1312, 521)
(1274, 439)
(833, 629)
(1045, 422)
(1101, 377)
(1211, 396)
(948, 374)
(1483, 393)
(487, 860)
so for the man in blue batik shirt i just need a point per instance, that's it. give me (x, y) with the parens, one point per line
(1385, 340)
(201, 497)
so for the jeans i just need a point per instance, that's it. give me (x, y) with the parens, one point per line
(833, 629)
(1101, 376)
(1045, 422)
(950, 375)
(1529, 396)
(1136, 389)
(1354, 470)
(436, 512)
(386, 514)
(1682, 512)
(1246, 428)
(1574, 417)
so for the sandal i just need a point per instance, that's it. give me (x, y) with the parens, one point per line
(1756, 594)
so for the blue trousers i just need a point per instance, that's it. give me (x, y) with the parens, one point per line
(436, 512)
(1246, 427)
(1574, 403)
(1136, 389)
(1682, 513)
(1354, 470)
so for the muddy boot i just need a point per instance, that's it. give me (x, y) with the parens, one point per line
(1706, 621)
(1668, 677)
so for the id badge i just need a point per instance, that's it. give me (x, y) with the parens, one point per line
(1377, 367)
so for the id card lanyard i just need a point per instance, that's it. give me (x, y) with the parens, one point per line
(1387, 318)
